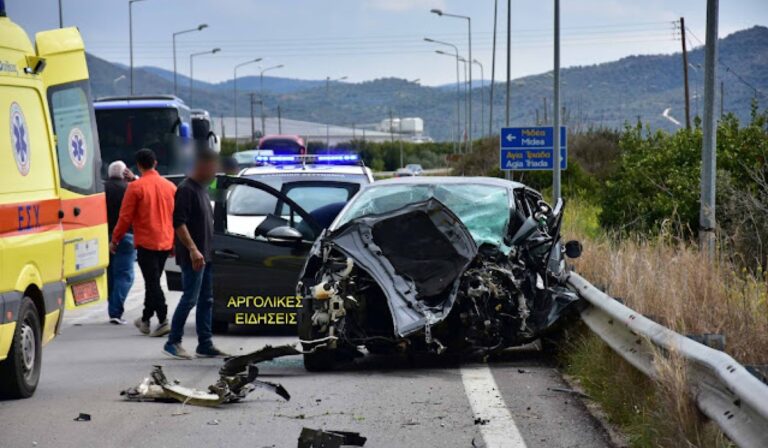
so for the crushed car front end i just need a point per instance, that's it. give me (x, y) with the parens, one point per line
(434, 264)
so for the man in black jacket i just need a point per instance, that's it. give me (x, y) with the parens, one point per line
(120, 270)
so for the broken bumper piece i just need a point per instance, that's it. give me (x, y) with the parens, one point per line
(237, 379)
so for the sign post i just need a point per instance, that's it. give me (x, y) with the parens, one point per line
(531, 148)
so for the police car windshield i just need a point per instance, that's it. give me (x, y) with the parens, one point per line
(309, 192)
(122, 132)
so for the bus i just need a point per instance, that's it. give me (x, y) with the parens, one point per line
(162, 123)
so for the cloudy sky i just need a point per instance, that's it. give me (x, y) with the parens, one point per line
(368, 39)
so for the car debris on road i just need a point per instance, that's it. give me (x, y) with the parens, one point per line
(467, 265)
(317, 438)
(237, 379)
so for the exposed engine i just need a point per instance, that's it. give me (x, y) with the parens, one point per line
(372, 284)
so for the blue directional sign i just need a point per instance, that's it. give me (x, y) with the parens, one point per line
(531, 148)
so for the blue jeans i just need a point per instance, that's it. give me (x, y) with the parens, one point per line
(120, 275)
(198, 291)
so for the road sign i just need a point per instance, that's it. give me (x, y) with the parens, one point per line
(531, 148)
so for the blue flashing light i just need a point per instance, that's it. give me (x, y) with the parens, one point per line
(311, 158)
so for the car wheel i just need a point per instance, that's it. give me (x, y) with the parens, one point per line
(219, 326)
(321, 360)
(20, 372)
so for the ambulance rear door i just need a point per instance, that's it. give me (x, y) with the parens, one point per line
(84, 217)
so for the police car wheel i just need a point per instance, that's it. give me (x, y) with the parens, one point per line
(20, 372)
(321, 360)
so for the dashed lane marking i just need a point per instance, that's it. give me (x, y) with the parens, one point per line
(497, 425)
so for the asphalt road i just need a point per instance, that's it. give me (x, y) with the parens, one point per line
(392, 401)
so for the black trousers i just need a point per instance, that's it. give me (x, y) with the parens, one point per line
(152, 263)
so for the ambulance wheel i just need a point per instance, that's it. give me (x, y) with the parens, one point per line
(321, 360)
(20, 372)
(220, 326)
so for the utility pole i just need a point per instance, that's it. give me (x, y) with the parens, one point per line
(556, 193)
(493, 66)
(279, 120)
(391, 127)
(223, 131)
(685, 75)
(61, 16)
(722, 100)
(707, 222)
(253, 122)
(546, 109)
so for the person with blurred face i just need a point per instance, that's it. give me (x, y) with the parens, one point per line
(193, 222)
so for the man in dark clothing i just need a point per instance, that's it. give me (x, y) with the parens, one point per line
(120, 269)
(193, 221)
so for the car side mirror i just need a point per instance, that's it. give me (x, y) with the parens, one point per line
(573, 249)
(285, 235)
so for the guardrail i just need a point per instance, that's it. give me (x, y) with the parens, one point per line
(723, 389)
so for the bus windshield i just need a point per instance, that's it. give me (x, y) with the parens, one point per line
(122, 132)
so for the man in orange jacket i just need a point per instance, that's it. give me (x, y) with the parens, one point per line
(148, 208)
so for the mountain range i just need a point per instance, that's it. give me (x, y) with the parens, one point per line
(607, 94)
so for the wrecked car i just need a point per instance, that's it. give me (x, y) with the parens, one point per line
(434, 264)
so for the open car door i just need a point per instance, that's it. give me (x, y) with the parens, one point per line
(261, 239)
(83, 209)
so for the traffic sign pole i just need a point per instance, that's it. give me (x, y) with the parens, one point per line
(556, 113)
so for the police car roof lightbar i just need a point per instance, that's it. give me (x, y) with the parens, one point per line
(340, 159)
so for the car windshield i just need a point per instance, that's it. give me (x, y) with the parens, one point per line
(282, 146)
(484, 209)
(122, 132)
(311, 195)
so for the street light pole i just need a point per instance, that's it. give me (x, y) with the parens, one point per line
(252, 61)
(457, 148)
(192, 69)
(469, 29)
(328, 102)
(199, 28)
(130, 36)
(493, 66)
(400, 125)
(467, 105)
(482, 97)
(61, 16)
(261, 94)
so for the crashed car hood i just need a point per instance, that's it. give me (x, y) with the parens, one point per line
(416, 254)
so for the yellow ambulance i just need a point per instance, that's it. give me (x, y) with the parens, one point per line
(53, 231)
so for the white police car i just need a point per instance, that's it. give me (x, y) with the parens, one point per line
(266, 220)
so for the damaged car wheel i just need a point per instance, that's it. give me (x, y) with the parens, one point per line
(321, 360)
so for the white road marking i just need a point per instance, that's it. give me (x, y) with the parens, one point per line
(484, 396)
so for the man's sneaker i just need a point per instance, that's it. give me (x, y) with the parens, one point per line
(176, 351)
(162, 329)
(117, 321)
(210, 352)
(141, 325)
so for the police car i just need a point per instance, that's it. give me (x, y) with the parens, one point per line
(266, 220)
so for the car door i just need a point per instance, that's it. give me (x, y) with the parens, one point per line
(255, 272)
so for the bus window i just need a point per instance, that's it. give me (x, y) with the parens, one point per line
(125, 131)
(76, 145)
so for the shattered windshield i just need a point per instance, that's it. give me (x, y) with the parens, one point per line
(483, 209)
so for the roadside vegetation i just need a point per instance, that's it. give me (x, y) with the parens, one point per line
(633, 201)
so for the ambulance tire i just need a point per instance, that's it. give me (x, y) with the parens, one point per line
(321, 360)
(20, 372)
(219, 326)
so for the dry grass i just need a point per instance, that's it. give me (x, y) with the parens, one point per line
(670, 282)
